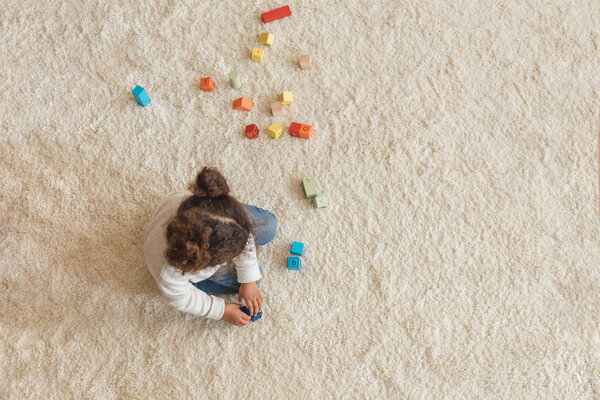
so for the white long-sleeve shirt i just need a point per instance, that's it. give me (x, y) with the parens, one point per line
(177, 287)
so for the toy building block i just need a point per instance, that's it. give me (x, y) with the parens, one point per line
(295, 129)
(234, 79)
(207, 84)
(275, 131)
(245, 310)
(267, 38)
(257, 54)
(305, 61)
(310, 187)
(320, 201)
(140, 96)
(276, 108)
(251, 131)
(243, 104)
(286, 98)
(294, 263)
(277, 13)
(300, 130)
(297, 248)
(305, 131)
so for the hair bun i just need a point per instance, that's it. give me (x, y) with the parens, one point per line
(209, 183)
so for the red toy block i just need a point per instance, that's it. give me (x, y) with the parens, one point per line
(243, 104)
(251, 131)
(305, 132)
(276, 14)
(295, 129)
(207, 84)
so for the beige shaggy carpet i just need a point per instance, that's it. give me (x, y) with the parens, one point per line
(457, 141)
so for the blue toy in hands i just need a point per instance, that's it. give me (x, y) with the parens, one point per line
(245, 310)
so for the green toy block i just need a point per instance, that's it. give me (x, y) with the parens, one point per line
(234, 79)
(320, 201)
(310, 187)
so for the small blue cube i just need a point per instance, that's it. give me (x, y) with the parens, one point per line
(140, 96)
(247, 312)
(297, 248)
(294, 263)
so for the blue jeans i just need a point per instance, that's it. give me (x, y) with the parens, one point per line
(224, 281)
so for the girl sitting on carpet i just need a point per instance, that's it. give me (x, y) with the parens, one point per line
(203, 241)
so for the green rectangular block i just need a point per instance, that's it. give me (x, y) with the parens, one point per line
(234, 78)
(310, 187)
(320, 201)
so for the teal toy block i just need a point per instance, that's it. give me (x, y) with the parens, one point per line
(297, 248)
(310, 186)
(140, 96)
(320, 201)
(294, 263)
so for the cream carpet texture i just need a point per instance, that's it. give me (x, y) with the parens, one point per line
(456, 140)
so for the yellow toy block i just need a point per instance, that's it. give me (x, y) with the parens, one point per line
(267, 38)
(286, 98)
(275, 131)
(257, 54)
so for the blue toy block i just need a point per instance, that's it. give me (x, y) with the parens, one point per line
(140, 96)
(247, 312)
(297, 248)
(294, 263)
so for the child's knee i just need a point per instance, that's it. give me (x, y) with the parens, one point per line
(268, 229)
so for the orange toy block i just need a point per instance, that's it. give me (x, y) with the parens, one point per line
(243, 104)
(300, 130)
(305, 132)
(207, 84)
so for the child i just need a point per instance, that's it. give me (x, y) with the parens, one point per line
(203, 242)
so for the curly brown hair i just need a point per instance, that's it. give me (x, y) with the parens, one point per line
(210, 227)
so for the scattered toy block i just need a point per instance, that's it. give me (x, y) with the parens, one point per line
(234, 79)
(310, 187)
(276, 108)
(207, 84)
(245, 310)
(297, 248)
(300, 130)
(267, 38)
(294, 263)
(243, 104)
(295, 129)
(275, 131)
(305, 61)
(277, 13)
(320, 201)
(286, 98)
(140, 96)
(251, 131)
(305, 131)
(258, 54)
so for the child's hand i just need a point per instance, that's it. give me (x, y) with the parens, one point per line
(251, 295)
(234, 315)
